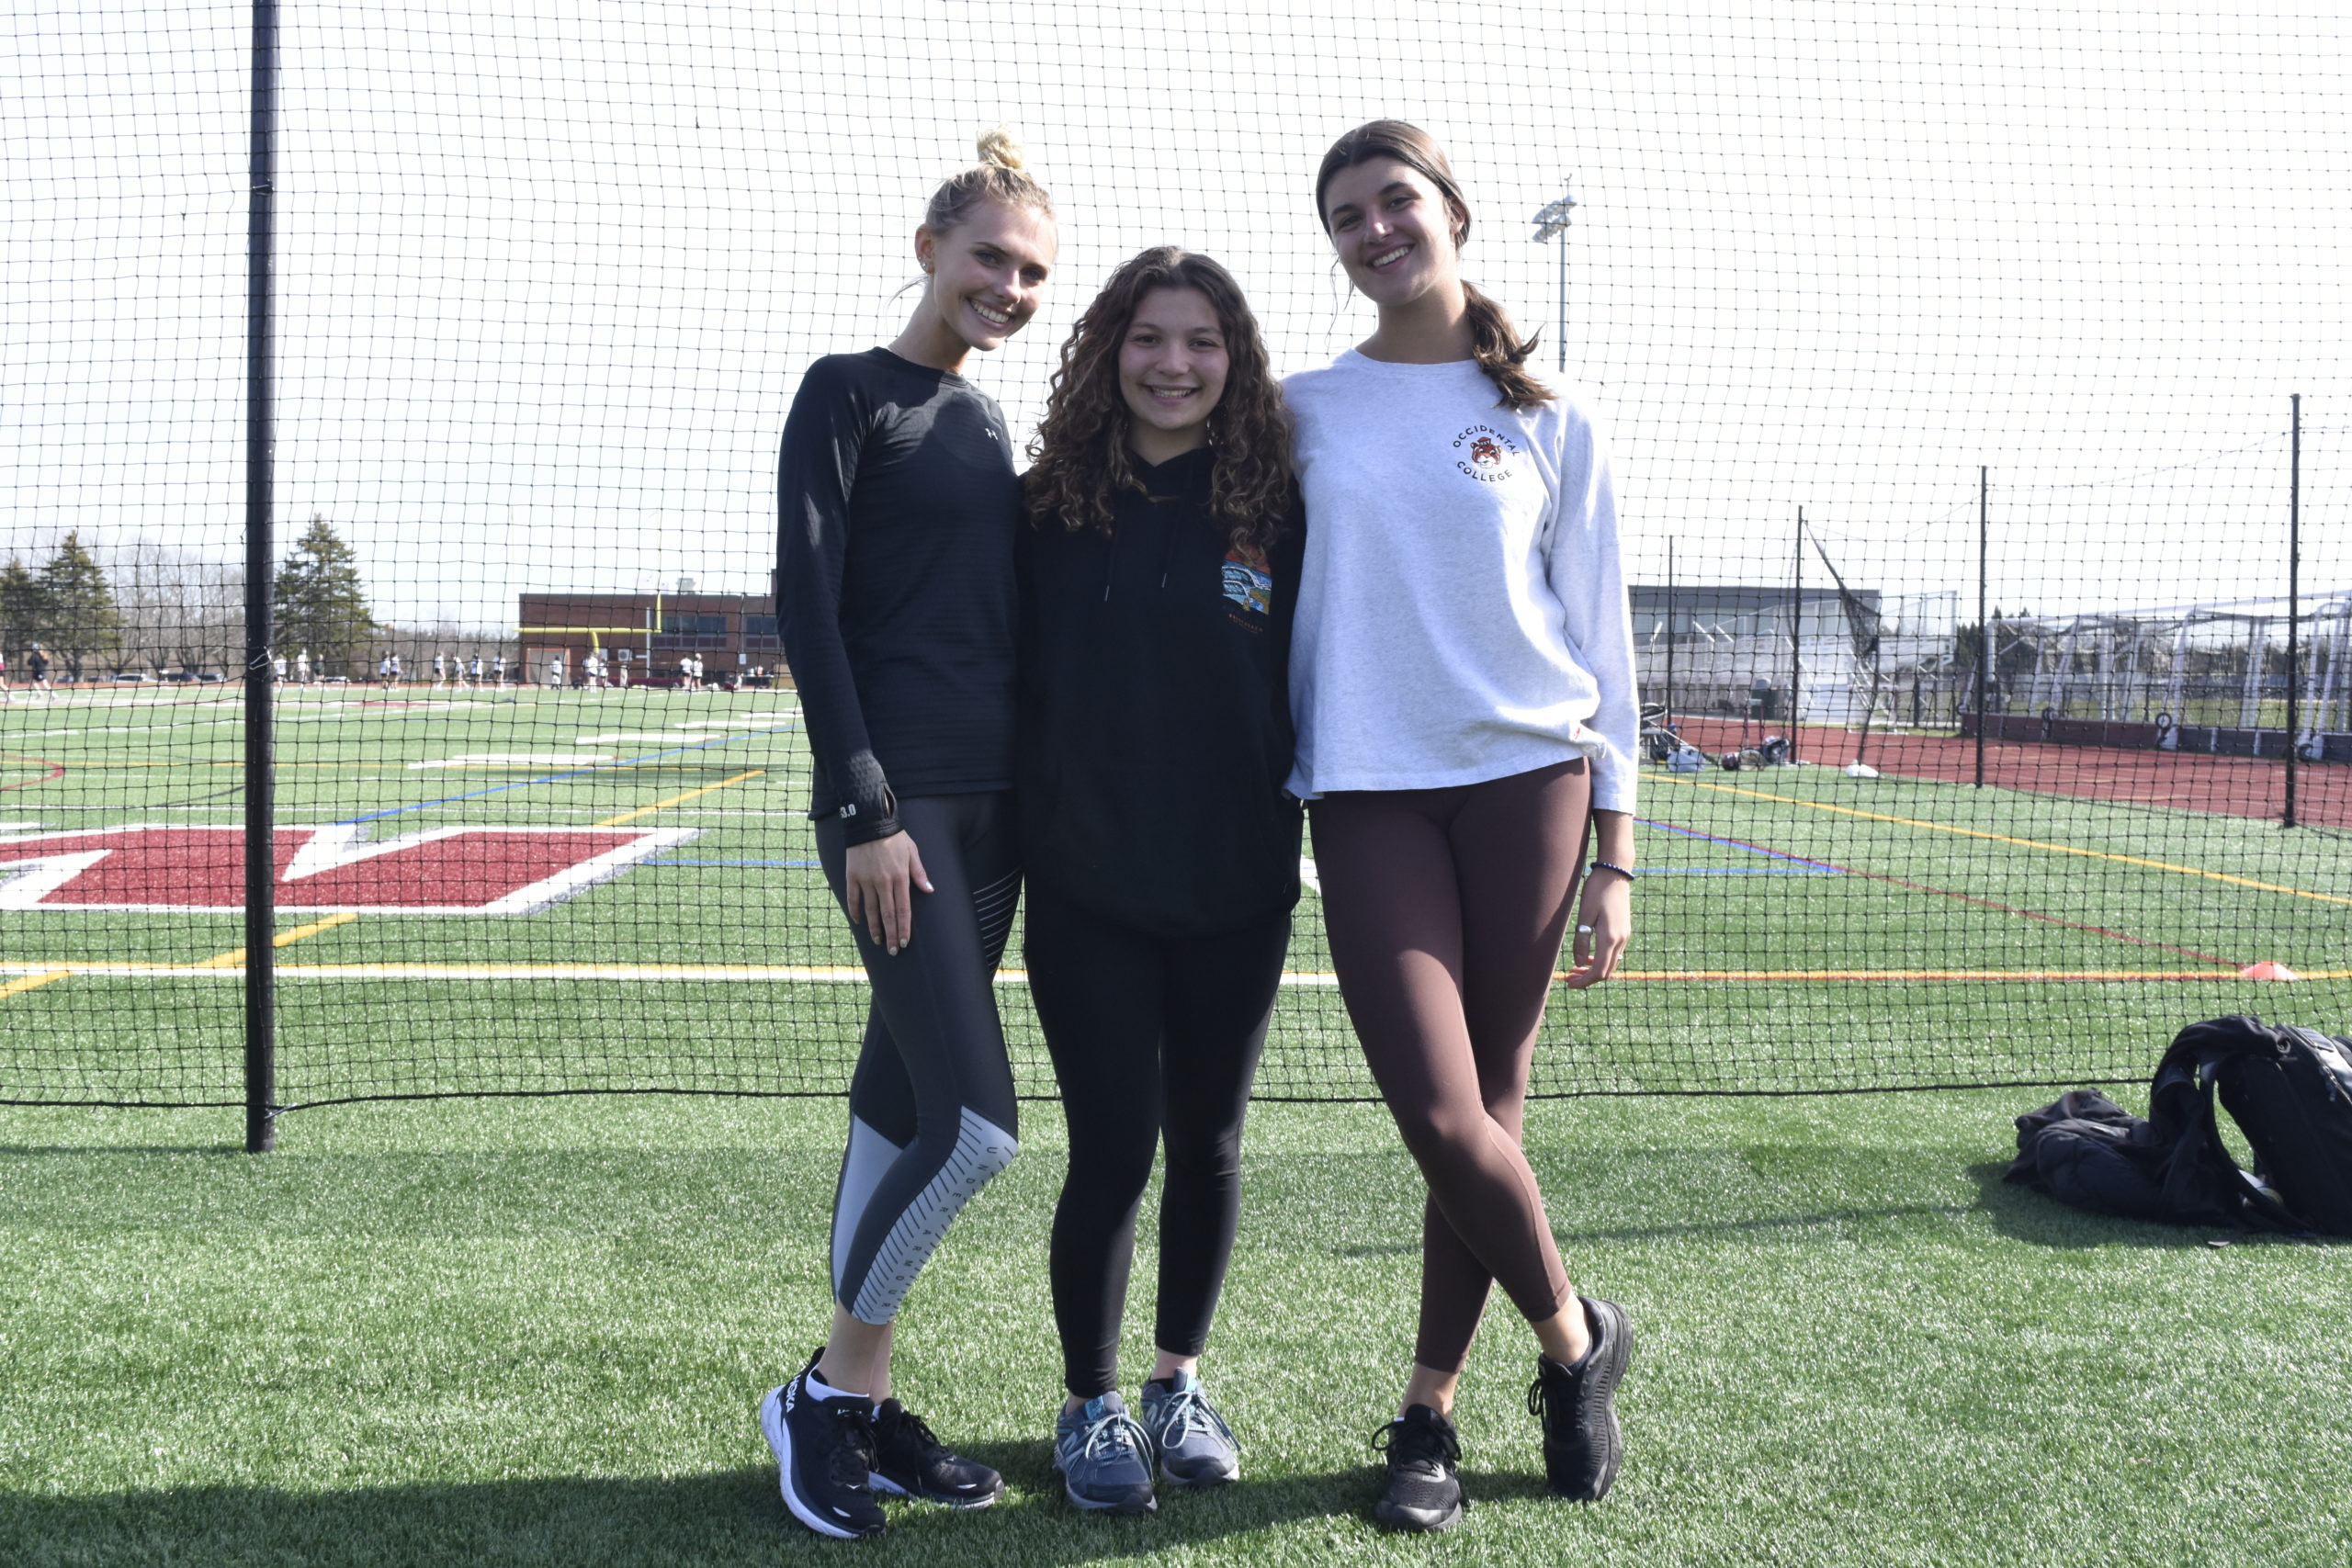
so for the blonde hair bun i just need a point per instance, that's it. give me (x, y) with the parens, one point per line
(999, 151)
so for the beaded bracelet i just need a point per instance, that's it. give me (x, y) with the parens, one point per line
(1611, 865)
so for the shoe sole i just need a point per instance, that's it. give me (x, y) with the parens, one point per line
(1149, 1504)
(1197, 1483)
(882, 1482)
(1606, 1373)
(1408, 1523)
(779, 1439)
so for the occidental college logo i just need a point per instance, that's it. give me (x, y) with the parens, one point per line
(1485, 454)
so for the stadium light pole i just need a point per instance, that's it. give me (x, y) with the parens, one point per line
(1551, 222)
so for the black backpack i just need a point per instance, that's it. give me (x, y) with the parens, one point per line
(2291, 1092)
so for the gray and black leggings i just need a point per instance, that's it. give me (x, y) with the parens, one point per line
(932, 1108)
(1445, 910)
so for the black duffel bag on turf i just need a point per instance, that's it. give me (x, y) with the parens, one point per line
(2291, 1092)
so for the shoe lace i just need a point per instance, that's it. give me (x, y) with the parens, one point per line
(1111, 1432)
(910, 1430)
(854, 1455)
(1407, 1442)
(1187, 1411)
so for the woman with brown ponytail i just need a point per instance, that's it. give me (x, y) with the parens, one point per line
(1463, 683)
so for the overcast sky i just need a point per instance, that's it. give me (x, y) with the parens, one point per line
(548, 282)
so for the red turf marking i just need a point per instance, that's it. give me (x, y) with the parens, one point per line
(203, 868)
(1963, 897)
(2192, 780)
(56, 770)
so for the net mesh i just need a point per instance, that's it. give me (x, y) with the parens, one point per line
(1860, 290)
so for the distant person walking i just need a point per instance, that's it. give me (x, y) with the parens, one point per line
(37, 666)
(302, 668)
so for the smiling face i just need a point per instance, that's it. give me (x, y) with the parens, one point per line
(988, 277)
(1172, 364)
(1393, 229)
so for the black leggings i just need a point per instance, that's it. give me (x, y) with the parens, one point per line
(1148, 1033)
(932, 1112)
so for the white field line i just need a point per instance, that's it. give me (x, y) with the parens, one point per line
(790, 974)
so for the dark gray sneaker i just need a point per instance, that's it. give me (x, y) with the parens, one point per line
(1196, 1448)
(1421, 1491)
(1104, 1457)
(910, 1462)
(1582, 1445)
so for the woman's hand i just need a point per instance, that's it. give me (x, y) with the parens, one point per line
(880, 880)
(1607, 909)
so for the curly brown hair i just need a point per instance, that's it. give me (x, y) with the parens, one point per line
(1079, 459)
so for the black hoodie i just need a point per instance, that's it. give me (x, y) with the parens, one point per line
(1154, 711)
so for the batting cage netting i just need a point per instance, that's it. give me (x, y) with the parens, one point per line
(1976, 384)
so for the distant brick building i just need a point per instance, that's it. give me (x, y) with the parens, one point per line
(647, 634)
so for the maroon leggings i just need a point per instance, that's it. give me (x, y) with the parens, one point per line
(1445, 910)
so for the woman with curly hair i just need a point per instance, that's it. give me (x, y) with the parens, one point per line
(1158, 583)
(1464, 686)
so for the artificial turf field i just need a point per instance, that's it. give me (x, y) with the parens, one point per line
(1799, 930)
(522, 1330)
(533, 1333)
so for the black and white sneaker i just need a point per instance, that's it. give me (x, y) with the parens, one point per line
(911, 1462)
(1421, 1492)
(824, 1453)
(1582, 1445)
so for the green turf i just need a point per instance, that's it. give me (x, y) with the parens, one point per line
(1929, 879)
(533, 1333)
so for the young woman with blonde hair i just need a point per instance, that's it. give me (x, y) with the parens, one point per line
(898, 508)
(1463, 682)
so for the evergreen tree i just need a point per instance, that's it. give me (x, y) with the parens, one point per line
(22, 614)
(318, 603)
(78, 619)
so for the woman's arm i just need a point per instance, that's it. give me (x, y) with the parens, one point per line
(1605, 914)
(822, 438)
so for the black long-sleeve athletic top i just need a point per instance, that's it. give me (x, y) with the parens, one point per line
(1155, 712)
(898, 505)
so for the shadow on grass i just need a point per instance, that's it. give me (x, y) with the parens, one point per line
(37, 1151)
(2022, 1213)
(1759, 1224)
(723, 1517)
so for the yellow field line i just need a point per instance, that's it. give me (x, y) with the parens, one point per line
(235, 957)
(35, 982)
(676, 799)
(2024, 844)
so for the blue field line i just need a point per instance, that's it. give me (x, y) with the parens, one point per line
(1739, 871)
(1810, 867)
(547, 778)
(802, 864)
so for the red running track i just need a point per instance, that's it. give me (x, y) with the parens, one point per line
(2188, 780)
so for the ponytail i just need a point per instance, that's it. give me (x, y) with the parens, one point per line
(1500, 352)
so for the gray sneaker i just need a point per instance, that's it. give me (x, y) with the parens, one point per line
(1104, 1457)
(1196, 1448)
